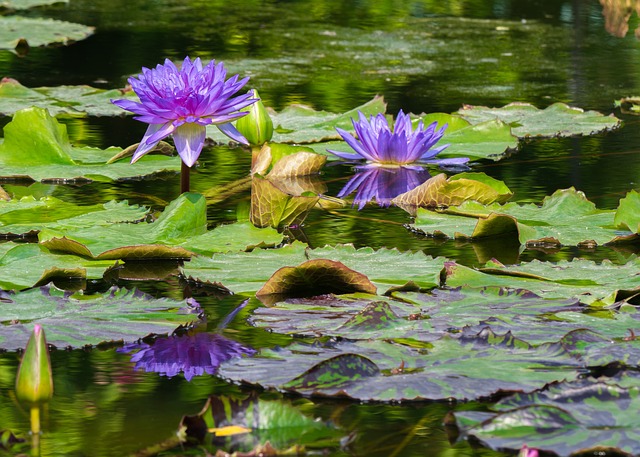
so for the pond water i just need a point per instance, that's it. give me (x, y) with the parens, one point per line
(421, 56)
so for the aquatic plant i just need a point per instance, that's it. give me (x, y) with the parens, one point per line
(182, 102)
(404, 146)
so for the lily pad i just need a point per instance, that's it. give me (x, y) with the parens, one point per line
(39, 31)
(27, 265)
(628, 214)
(583, 416)
(558, 119)
(583, 279)
(30, 215)
(73, 100)
(78, 320)
(387, 269)
(179, 232)
(386, 371)
(26, 4)
(36, 146)
(565, 218)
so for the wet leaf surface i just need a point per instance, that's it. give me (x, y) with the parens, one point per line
(565, 218)
(558, 119)
(36, 146)
(39, 31)
(118, 315)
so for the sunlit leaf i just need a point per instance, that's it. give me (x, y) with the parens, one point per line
(278, 160)
(558, 119)
(36, 146)
(315, 277)
(443, 191)
(26, 265)
(79, 320)
(565, 218)
(628, 213)
(387, 269)
(26, 4)
(39, 31)
(272, 206)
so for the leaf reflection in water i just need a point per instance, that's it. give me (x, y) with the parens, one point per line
(382, 184)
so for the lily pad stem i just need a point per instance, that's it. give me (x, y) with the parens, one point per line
(184, 178)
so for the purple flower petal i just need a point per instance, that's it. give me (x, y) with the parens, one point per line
(232, 132)
(189, 140)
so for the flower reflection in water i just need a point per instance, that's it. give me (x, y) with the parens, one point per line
(382, 184)
(193, 354)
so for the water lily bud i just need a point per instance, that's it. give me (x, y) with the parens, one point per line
(257, 126)
(34, 383)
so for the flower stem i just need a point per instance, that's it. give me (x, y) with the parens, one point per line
(184, 178)
(35, 420)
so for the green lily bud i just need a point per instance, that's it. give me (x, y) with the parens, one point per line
(34, 383)
(257, 126)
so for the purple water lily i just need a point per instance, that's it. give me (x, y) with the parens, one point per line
(406, 147)
(192, 354)
(382, 184)
(182, 102)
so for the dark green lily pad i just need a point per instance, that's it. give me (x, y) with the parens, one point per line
(73, 100)
(36, 146)
(78, 320)
(29, 215)
(39, 31)
(585, 416)
(387, 371)
(558, 119)
(387, 269)
(27, 265)
(583, 279)
(565, 218)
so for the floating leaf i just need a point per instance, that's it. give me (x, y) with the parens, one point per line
(78, 320)
(39, 32)
(558, 119)
(628, 213)
(26, 4)
(315, 277)
(443, 191)
(279, 160)
(584, 416)
(565, 218)
(73, 100)
(28, 214)
(587, 280)
(387, 269)
(36, 146)
(27, 265)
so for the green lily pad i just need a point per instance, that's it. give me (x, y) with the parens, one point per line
(387, 269)
(558, 119)
(583, 279)
(73, 100)
(584, 416)
(180, 232)
(78, 320)
(565, 218)
(36, 146)
(29, 215)
(27, 265)
(39, 31)
(628, 213)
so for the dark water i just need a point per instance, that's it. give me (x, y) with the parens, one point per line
(422, 56)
